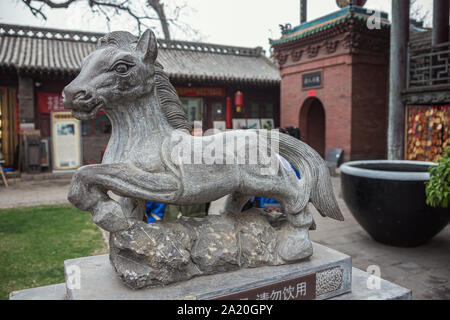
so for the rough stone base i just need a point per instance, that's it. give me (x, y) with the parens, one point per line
(158, 254)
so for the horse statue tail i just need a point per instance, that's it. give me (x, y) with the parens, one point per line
(316, 185)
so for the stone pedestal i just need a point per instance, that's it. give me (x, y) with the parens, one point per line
(326, 275)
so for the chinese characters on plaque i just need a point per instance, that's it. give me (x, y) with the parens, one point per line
(312, 80)
(300, 288)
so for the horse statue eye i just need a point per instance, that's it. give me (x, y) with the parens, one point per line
(121, 68)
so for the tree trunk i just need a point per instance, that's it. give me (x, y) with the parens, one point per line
(159, 8)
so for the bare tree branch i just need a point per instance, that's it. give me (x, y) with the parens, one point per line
(159, 9)
(108, 8)
(418, 12)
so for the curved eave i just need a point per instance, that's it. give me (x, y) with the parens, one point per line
(225, 79)
(321, 29)
(308, 33)
(173, 77)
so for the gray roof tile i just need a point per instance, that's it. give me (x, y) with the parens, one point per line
(32, 49)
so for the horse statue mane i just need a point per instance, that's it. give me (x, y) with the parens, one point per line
(170, 102)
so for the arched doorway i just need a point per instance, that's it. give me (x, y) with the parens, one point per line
(312, 124)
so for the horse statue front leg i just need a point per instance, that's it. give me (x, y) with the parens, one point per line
(90, 185)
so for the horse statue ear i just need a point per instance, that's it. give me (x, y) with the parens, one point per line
(147, 46)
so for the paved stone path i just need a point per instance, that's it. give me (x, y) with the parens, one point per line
(32, 193)
(425, 270)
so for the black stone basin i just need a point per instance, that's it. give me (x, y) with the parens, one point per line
(387, 198)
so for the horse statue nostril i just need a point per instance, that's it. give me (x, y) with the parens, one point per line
(81, 95)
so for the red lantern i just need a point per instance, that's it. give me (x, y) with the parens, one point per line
(238, 99)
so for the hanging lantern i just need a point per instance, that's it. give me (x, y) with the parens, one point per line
(238, 101)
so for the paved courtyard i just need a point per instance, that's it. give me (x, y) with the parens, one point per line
(425, 270)
(33, 193)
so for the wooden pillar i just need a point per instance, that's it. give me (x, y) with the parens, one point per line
(440, 21)
(397, 77)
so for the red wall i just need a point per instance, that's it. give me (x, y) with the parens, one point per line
(335, 95)
(354, 93)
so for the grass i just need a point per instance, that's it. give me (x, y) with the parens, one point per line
(35, 241)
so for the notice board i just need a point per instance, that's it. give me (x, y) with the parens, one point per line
(66, 141)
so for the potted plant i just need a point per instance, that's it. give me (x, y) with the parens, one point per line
(388, 199)
(438, 187)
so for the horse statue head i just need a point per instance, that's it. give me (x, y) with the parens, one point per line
(123, 69)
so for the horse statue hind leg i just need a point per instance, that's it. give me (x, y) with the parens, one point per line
(293, 195)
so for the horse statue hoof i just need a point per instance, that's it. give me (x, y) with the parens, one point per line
(295, 245)
(108, 215)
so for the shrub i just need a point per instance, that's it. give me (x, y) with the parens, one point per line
(438, 187)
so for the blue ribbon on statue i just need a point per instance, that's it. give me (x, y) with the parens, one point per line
(154, 211)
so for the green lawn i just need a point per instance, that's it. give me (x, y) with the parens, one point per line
(35, 241)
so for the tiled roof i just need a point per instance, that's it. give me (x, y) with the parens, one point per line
(41, 50)
(327, 22)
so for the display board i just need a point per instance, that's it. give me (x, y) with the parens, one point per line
(66, 141)
(427, 132)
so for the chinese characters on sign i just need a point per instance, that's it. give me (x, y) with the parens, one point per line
(49, 102)
(301, 288)
(312, 80)
(201, 92)
(288, 292)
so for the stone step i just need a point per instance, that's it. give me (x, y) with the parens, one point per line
(385, 291)
(51, 292)
(360, 291)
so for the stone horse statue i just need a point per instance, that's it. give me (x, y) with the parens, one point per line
(152, 156)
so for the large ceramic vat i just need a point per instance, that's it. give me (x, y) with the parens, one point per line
(387, 198)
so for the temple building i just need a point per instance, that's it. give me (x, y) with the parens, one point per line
(335, 85)
(334, 82)
(220, 86)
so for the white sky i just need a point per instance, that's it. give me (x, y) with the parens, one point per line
(248, 23)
